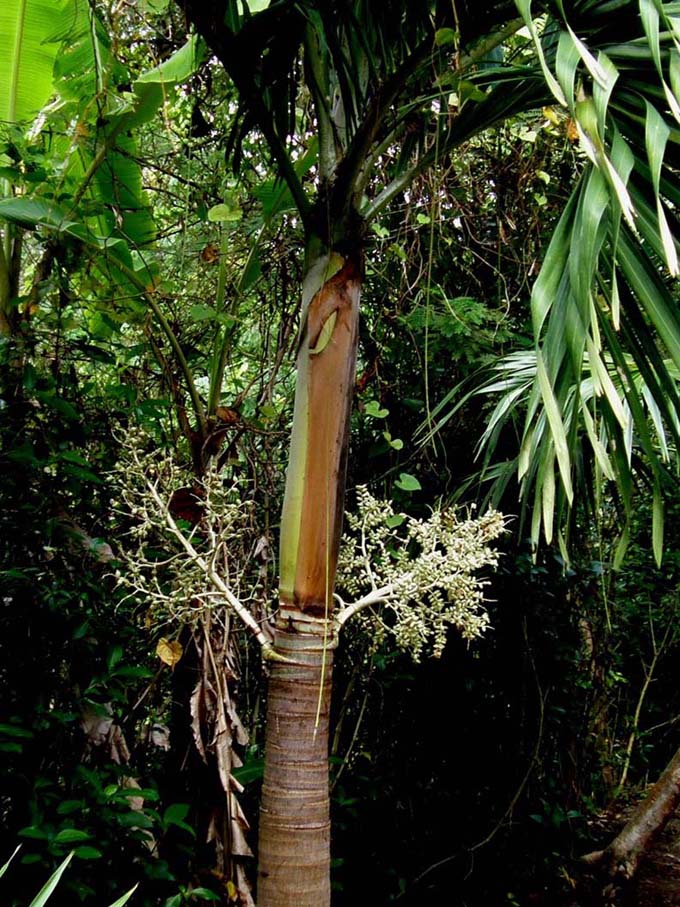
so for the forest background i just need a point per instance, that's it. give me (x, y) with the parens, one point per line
(151, 281)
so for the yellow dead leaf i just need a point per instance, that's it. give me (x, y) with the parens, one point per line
(169, 651)
(550, 114)
(231, 889)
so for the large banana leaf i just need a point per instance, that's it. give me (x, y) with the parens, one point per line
(27, 55)
(98, 165)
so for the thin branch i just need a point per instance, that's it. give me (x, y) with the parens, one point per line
(355, 734)
(657, 651)
(181, 360)
(196, 403)
(367, 560)
(222, 347)
(222, 342)
(106, 146)
(5, 324)
(533, 761)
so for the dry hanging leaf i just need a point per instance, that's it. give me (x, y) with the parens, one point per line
(198, 711)
(244, 893)
(239, 828)
(239, 733)
(169, 651)
(118, 748)
(129, 783)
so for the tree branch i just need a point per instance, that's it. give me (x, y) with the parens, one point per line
(620, 860)
(196, 403)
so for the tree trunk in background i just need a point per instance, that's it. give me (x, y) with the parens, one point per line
(294, 846)
(617, 864)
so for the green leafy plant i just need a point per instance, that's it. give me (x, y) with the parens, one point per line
(50, 885)
(191, 896)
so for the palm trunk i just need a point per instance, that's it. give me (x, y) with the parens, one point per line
(294, 847)
(294, 866)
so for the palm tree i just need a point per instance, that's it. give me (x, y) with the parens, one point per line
(385, 83)
(367, 73)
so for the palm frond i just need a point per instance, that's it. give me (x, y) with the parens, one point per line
(598, 396)
(362, 62)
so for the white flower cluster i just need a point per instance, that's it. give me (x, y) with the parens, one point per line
(180, 532)
(424, 573)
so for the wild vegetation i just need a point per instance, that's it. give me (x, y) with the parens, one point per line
(338, 332)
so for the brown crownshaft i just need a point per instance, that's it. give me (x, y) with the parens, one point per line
(331, 385)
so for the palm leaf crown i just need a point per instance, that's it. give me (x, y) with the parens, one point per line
(368, 68)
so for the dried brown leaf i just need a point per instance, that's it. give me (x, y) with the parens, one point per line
(244, 892)
(198, 711)
(118, 748)
(135, 803)
(238, 731)
(169, 651)
(96, 722)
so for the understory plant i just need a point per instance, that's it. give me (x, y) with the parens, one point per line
(50, 885)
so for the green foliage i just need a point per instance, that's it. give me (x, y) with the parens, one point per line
(602, 398)
(28, 49)
(48, 889)
(462, 329)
